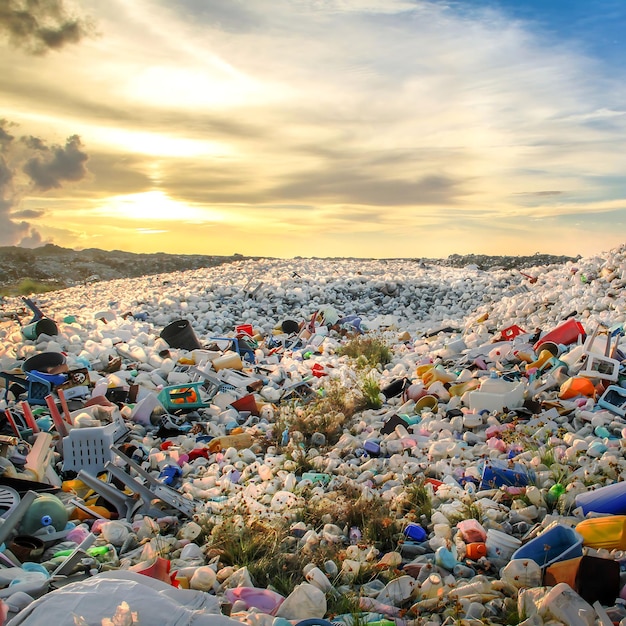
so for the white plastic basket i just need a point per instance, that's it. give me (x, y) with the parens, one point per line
(90, 448)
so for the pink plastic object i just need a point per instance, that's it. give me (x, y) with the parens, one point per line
(564, 334)
(472, 531)
(265, 600)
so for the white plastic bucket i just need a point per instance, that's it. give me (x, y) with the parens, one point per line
(500, 545)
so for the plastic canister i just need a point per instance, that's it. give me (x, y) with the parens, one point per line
(472, 531)
(476, 550)
(46, 510)
(415, 532)
(604, 532)
(610, 499)
(229, 360)
(522, 573)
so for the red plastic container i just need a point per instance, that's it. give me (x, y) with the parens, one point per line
(564, 334)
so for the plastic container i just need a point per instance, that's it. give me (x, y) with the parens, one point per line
(43, 326)
(610, 499)
(415, 532)
(44, 362)
(614, 399)
(472, 531)
(500, 545)
(230, 360)
(594, 579)
(476, 550)
(180, 334)
(577, 386)
(495, 393)
(562, 602)
(46, 510)
(566, 333)
(239, 442)
(181, 397)
(522, 573)
(604, 532)
(498, 473)
(557, 543)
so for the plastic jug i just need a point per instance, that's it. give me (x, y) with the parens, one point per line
(604, 532)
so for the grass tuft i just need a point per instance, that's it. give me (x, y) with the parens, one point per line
(369, 351)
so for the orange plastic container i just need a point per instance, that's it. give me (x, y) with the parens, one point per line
(577, 386)
(604, 532)
(475, 551)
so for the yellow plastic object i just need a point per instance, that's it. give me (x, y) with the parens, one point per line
(544, 356)
(239, 442)
(437, 373)
(604, 532)
(458, 389)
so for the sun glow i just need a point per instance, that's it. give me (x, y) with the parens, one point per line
(155, 206)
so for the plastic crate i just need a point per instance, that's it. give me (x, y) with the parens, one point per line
(90, 448)
(182, 397)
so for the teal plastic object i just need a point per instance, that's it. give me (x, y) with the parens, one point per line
(177, 397)
(46, 510)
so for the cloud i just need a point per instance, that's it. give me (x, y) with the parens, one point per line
(51, 166)
(38, 26)
(28, 164)
(27, 214)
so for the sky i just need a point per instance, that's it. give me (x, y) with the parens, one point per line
(314, 128)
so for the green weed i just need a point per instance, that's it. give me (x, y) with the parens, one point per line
(28, 286)
(367, 350)
(371, 392)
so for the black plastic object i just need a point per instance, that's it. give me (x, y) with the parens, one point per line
(290, 327)
(43, 362)
(396, 387)
(180, 334)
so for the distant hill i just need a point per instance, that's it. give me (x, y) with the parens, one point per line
(63, 267)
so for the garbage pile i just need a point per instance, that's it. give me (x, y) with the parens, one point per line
(317, 441)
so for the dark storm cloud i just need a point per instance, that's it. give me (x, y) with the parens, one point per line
(28, 163)
(52, 166)
(38, 26)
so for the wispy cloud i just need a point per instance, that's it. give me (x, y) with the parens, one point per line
(401, 112)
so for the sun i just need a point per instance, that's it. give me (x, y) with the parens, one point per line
(155, 206)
